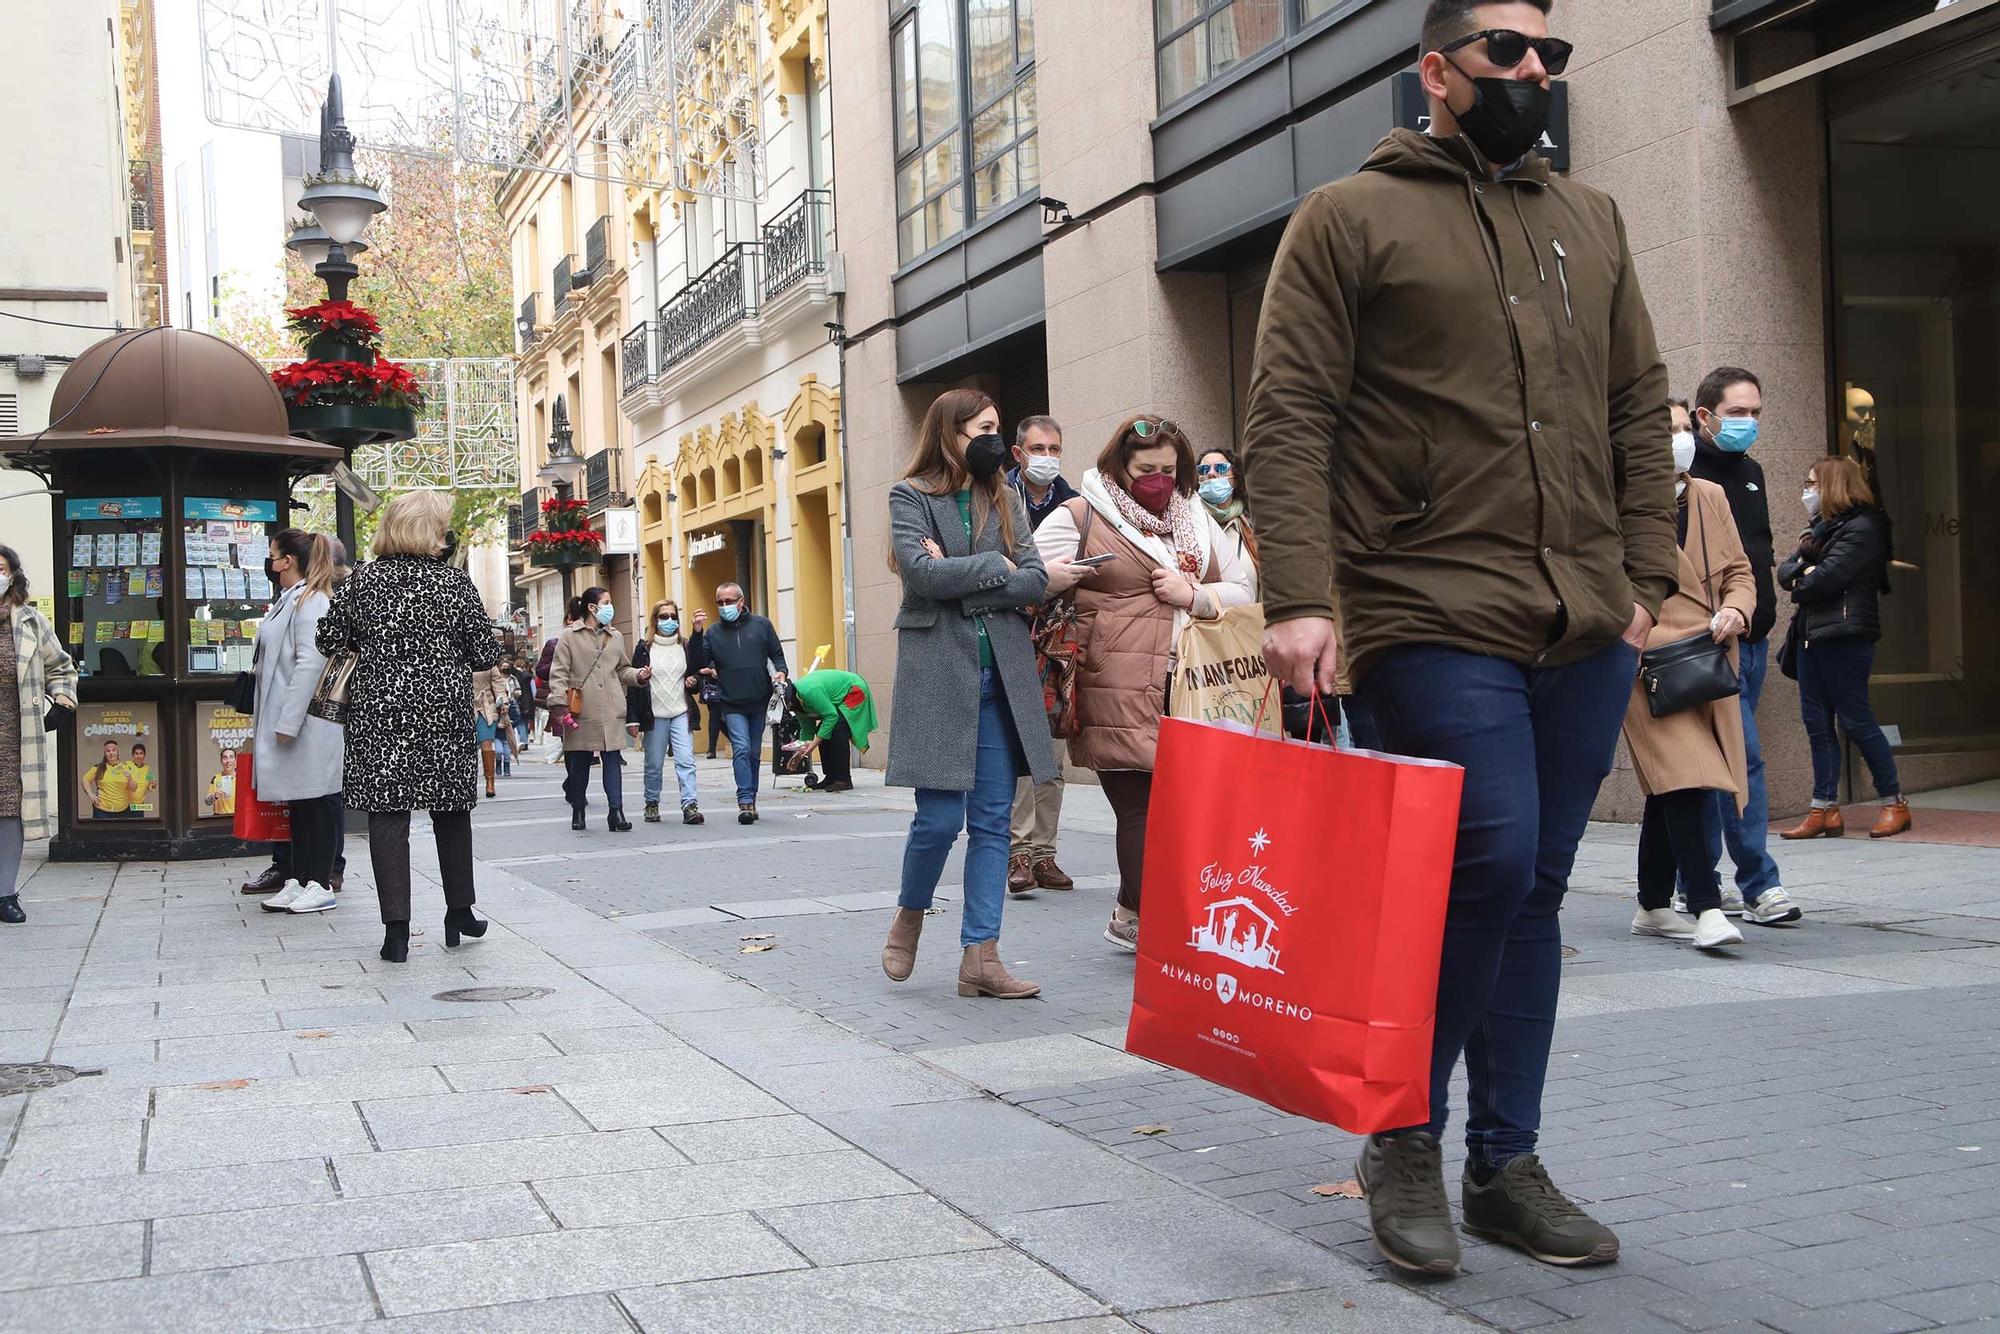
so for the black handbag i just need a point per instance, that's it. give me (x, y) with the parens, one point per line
(1690, 671)
(58, 715)
(242, 696)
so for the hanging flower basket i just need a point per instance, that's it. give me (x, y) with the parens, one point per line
(340, 322)
(350, 402)
(351, 424)
(565, 547)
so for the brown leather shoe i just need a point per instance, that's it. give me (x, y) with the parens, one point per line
(1894, 820)
(1020, 874)
(899, 954)
(1050, 876)
(1820, 822)
(269, 881)
(981, 973)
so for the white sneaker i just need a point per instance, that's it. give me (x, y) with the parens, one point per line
(1712, 931)
(1773, 907)
(1680, 901)
(282, 900)
(1732, 902)
(1662, 922)
(315, 898)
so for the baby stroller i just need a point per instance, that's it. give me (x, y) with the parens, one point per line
(787, 728)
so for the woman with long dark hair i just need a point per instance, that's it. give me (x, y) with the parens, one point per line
(590, 661)
(968, 716)
(1836, 576)
(33, 660)
(298, 756)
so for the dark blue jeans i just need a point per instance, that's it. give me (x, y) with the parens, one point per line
(1535, 744)
(1748, 834)
(1833, 683)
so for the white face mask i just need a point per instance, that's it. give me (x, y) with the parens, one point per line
(1041, 469)
(1683, 450)
(1810, 499)
(6, 582)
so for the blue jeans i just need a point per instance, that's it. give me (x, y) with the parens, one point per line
(1536, 744)
(666, 733)
(1833, 683)
(746, 744)
(986, 813)
(1747, 834)
(576, 778)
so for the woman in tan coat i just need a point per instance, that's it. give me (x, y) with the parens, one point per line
(590, 659)
(491, 690)
(1686, 755)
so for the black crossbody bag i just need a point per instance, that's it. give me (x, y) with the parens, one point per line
(1690, 671)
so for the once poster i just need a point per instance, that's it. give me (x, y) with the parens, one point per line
(118, 761)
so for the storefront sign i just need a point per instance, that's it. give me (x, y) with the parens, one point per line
(113, 507)
(702, 546)
(208, 507)
(621, 532)
(118, 761)
(220, 732)
(1413, 113)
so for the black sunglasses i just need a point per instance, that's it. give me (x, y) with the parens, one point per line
(1507, 48)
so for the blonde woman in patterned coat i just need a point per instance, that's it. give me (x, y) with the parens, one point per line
(420, 633)
(34, 658)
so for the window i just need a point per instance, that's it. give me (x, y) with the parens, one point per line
(964, 111)
(1201, 40)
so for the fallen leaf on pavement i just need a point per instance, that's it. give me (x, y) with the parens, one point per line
(756, 949)
(1347, 1306)
(316, 1033)
(762, 935)
(1151, 1130)
(217, 1085)
(530, 1088)
(1339, 1190)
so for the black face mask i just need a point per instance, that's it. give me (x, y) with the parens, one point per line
(984, 454)
(270, 569)
(1506, 119)
(450, 548)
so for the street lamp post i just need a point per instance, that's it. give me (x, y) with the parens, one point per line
(562, 473)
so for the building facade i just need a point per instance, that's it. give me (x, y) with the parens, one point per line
(1783, 170)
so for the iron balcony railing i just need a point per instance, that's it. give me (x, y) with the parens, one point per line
(526, 517)
(525, 324)
(796, 242)
(597, 247)
(142, 213)
(560, 282)
(725, 294)
(600, 479)
(635, 358)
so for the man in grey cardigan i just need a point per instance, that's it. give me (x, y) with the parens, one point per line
(742, 655)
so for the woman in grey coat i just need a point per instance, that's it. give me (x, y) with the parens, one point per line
(298, 756)
(967, 719)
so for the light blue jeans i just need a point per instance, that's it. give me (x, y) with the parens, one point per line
(1748, 834)
(985, 813)
(746, 744)
(666, 733)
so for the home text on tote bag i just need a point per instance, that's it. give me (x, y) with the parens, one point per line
(1295, 901)
(1219, 672)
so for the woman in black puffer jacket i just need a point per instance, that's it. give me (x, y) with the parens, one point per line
(1835, 578)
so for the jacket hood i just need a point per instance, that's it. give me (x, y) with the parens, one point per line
(1409, 153)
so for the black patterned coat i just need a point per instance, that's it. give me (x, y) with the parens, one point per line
(421, 633)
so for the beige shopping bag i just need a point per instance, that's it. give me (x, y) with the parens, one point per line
(1219, 672)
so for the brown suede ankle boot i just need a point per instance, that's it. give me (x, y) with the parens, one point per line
(1894, 819)
(899, 955)
(1820, 822)
(981, 973)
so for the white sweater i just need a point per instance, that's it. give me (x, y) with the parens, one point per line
(668, 683)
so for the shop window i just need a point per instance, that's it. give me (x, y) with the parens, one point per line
(1201, 40)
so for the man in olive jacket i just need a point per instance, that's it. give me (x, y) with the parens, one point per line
(1458, 420)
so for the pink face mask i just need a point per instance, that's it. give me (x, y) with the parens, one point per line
(1155, 491)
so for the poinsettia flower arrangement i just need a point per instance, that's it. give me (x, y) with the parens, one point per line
(382, 384)
(563, 511)
(571, 537)
(337, 321)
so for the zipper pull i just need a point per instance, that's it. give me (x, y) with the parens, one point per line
(1562, 272)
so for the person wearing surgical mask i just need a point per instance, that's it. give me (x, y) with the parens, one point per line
(1037, 470)
(658, 710)
(588, 706)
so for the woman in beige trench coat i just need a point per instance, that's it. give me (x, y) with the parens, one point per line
(1684, 756)
(590, 658)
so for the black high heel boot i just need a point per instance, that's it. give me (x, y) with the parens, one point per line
(576, 817)
(617, 823)
(396, 942)
(459, 921)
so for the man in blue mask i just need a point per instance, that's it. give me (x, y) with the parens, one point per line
(1728, 415)
(743, 657)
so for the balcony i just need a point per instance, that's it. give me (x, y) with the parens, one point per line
(635, 358)
(796, 242)
(524, 324)
(724, 295)
(600, 480)
(142, 213)
(525, 517)
(559, 283)
(597, 248)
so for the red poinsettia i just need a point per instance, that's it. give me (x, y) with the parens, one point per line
(385, 384)
(586, 537)
(557, 508)
(335, 319)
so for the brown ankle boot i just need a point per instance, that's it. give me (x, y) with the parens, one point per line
(1820, 822)
(981, 973)
(899, 955)
(488, 764)
(1894, 820)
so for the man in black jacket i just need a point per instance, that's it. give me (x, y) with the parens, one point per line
(1728, 412)
(1031, 863)
(742, 655)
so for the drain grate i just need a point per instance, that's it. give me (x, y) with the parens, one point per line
(28, 1078)
(493, 994)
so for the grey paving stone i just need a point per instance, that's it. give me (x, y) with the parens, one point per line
(753, 908)
(713, 1188)
(711, 1095)
(1361, 1305)
(928, 1134)
(752, 1138)
(857, 1231)
(220, 1096)
(595, 1314)
(27, 1205)
(297, 1294)
(886, 1080)
(254, 1135)
(629, 1037)
(568, 1263)
(1023, 1063)
(85, 1100)
(413, 1055)
(493, 1162)
(71, 1255)
(665, 1062)
(1078, 1175)
(74, 1151)
(341, 1227)
(467, 1118)
(980, 1290)
(1972, 1301)
(1860, 1318)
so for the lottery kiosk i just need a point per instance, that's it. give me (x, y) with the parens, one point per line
(168, 468)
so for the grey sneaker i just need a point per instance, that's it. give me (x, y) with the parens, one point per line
(1732, 902)
(1773, 907)
(1403, 1178)
(1521, 1207)
(1123, 929)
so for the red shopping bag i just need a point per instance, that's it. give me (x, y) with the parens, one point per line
(1294, 904)
(258, 821)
